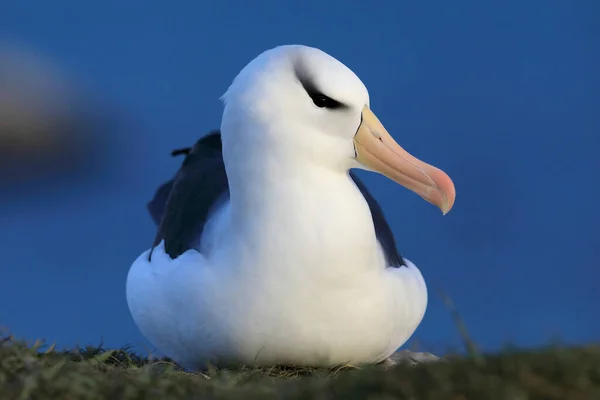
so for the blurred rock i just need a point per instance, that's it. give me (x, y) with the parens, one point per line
(47, 129)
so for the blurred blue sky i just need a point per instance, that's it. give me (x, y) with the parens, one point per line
(503, 96)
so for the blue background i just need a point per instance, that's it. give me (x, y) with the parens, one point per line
(503, 96)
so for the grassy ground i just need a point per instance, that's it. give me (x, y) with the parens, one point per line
(93, 373)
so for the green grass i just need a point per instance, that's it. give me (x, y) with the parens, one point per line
(30, 372)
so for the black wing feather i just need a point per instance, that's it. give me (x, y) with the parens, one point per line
(182, 211)
(384, 233)
(156, 206)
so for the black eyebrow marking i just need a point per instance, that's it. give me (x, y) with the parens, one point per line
(309, 86)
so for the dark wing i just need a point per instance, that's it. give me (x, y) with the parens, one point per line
(156, 206)
(182, 205)
(382, 228)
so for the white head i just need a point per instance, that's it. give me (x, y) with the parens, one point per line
(299, 103)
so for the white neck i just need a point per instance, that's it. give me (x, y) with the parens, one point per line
(288, 212)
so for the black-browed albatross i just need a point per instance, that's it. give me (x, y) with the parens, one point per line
(269, 249)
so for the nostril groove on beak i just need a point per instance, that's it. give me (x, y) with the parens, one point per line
(376, 134)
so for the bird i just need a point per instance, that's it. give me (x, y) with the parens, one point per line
(269, 249)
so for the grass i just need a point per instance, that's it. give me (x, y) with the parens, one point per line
(29, 372)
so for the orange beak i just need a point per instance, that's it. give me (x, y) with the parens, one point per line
(378, 151)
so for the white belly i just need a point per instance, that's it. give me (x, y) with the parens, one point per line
(293, 274)
(196, 313)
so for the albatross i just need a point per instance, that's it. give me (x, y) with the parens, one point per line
(269, 249)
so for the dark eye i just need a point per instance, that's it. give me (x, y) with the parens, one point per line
(323, 101)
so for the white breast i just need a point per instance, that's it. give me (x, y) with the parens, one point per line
(300, 280)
